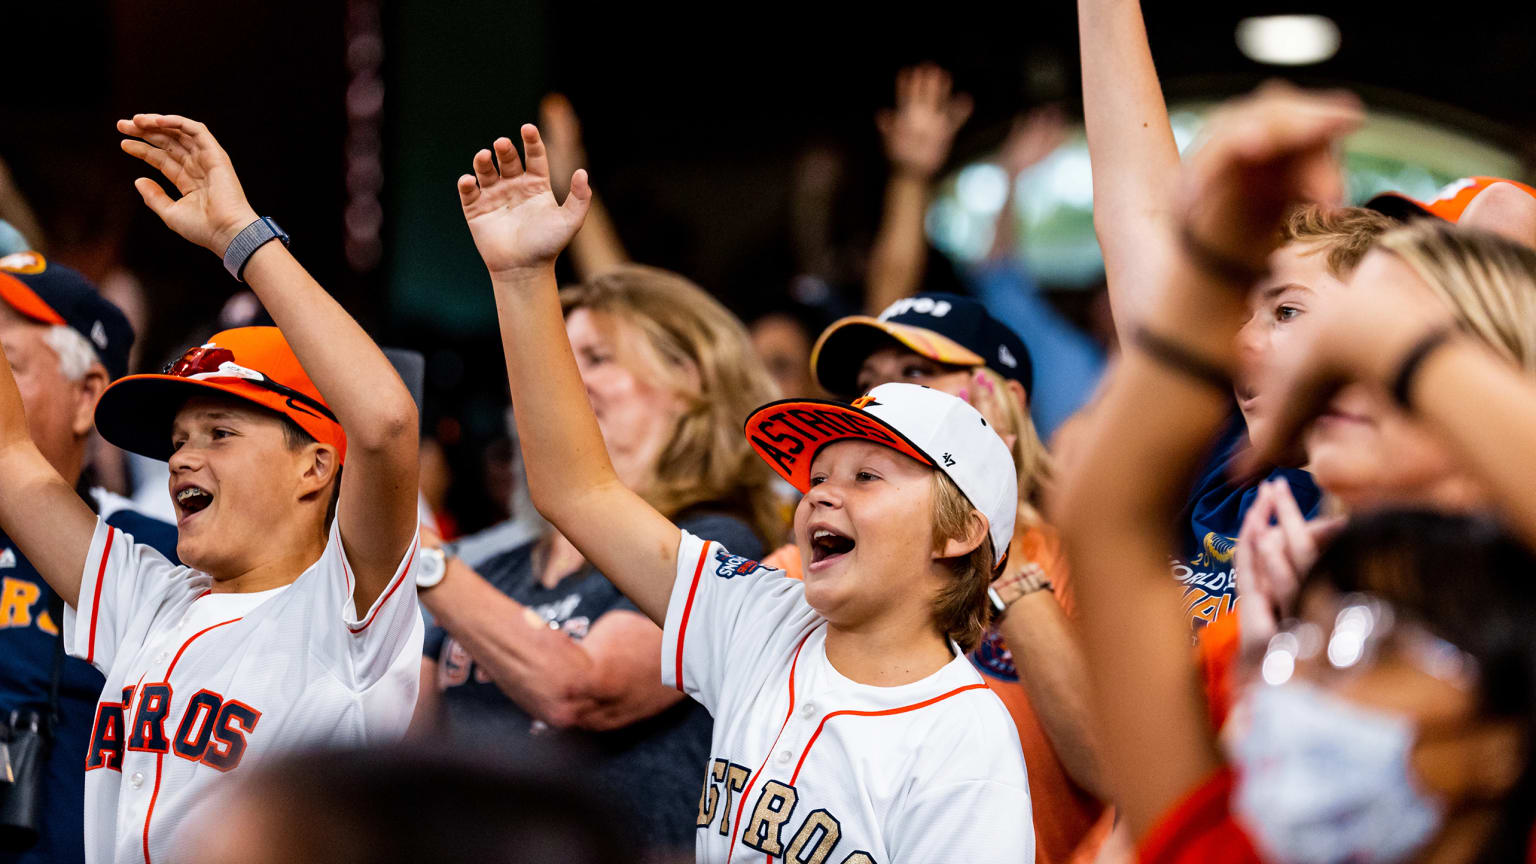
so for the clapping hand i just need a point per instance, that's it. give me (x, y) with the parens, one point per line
(512, 213)
(1275, 549)
(919, 132)
(212, 208)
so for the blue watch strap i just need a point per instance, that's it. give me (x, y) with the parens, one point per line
(245, 244)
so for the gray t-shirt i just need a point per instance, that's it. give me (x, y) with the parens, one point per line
(655, 767)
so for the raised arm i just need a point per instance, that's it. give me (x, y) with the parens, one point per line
(38, 508)
(377, 507)
(918, 135)
(519, 230)
(1151, 429)
(1130, 144)
(596, 248)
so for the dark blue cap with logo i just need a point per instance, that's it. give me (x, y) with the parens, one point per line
(947, 328)
(55, 294)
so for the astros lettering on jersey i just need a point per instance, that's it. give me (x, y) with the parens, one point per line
(199, 683)
(810, 766)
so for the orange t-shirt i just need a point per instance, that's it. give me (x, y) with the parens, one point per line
(1070, 824)
(1200, 829)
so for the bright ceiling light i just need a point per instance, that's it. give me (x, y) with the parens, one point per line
(1288, 40)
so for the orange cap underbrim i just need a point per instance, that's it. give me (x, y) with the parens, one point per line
(789, 433)
(844, 346)
(136, 412)
(24, 300)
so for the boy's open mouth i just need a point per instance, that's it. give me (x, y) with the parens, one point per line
(826, 544)
(193, 499)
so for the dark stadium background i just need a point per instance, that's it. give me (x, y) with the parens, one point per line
(692, 115)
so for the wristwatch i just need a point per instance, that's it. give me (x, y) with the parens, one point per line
(1032, 580)
(434, 565)
(253, 237)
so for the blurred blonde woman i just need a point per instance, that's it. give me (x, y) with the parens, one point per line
(532, 638)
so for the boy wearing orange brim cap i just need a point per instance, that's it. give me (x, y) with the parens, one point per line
(294, 621)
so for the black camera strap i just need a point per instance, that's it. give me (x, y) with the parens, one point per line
(56, 610)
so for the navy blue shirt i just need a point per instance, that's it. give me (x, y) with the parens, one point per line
(1211, 521)
(29, 635)
(653, 768)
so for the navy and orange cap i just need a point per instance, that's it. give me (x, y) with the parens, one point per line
(947, 328)
(1448, 204)
(250, 363)
(55, 294)
(936, 429)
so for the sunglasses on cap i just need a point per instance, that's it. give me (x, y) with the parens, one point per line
(205, 362)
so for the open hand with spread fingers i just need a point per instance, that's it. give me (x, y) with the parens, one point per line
(212, 208)
(919, 132)
(511, 210)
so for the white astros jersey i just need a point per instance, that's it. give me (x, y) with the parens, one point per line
(808, 766)
(199, 684)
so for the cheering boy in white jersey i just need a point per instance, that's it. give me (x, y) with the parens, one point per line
(288, 626)
(849, 726)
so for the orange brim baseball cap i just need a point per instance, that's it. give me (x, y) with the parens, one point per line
(250, 363)
(1448, 204)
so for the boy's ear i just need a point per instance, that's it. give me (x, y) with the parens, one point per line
(975, 532)
(1016, 390)
(320, 467)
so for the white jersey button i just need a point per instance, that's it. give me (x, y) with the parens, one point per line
(785, 756)
(162, 656)
(136, 780)
(808, 711)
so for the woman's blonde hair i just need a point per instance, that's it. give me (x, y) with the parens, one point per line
(703, 354)
(1031, 460)
(961, 610)
(1489, 281)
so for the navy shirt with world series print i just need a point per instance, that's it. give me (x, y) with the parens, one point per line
(654, 768)
(1212, 519)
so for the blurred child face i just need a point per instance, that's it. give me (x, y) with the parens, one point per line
(635, 409)
(1367, 451)
(864, 530)
(1299, 279)
(236, 486)
(786, 350)
(1451, 735)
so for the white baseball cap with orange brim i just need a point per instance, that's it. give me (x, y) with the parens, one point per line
(938, 430)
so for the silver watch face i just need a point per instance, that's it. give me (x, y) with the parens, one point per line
(433, 565)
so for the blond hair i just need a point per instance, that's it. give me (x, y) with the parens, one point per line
(1345, 233)
(1489, 281)
(703, 354)
(1031, 460)
(960, 610)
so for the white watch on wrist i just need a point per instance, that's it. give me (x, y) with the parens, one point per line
(434, 566)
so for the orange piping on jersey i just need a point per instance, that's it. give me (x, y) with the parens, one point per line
(149, 813)
(90, 653)
(888, 711)
(682, 626)
(741, 804)
(394, 583)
